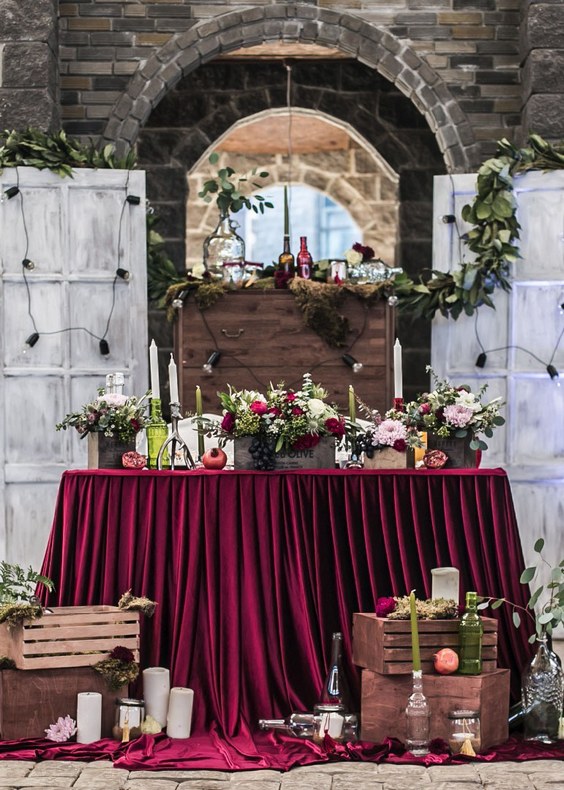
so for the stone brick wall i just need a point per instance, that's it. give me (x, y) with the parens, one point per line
(29, 64)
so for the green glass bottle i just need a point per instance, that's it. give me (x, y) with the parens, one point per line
(470, 633)
(157, 434)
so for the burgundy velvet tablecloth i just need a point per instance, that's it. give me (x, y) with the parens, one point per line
(253, 571)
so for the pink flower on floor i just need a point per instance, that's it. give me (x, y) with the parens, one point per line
(61, 730)
(457, 416)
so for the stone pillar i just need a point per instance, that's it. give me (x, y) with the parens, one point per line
(29, 73)
(542, 57)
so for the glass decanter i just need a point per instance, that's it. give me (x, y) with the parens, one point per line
(542, 689)
(223, 246)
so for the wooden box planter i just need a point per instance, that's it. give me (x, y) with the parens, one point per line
(31, 701)
(384, 698)
(388, 458)
(384, 645)
(460, 456)
(72, 636)
(322, 456)
(105, 452)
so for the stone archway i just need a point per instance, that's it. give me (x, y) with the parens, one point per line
(370, 45)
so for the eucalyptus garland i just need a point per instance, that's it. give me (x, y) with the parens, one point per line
(493, 237)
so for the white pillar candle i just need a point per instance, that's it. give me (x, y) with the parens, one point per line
(445, 583)
(156, 687)
(154, 369)
(398, 374)
(88, 717)
(173, 381)
(179, 721)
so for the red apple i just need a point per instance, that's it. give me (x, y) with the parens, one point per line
(446, 661)
(214, 458)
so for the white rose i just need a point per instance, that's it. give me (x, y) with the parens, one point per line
(353, 257)
(316, 408)
(468, 400)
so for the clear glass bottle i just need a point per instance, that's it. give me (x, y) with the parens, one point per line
(223, 245)
(470, 634)
(300, 725)
(464, 731)
(542, 689)
(334, 700)
(157, 434)
(286, 259)
(304, 260)
(417, 715)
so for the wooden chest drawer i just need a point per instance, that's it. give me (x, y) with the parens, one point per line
(263, 338)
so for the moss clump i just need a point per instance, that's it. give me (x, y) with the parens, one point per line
(15, 613)
(431, 609)
(132, 603)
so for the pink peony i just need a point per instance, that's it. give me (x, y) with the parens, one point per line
(384, 606)
(61, 730)
(458, 416)
(228, 422)
(258, 407)
(388, 432)
(335, 426)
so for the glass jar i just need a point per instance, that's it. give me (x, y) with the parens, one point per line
(130, 714)
(223, 245)
(464, 731)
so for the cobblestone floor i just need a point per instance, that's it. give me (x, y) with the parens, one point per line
(533, 775)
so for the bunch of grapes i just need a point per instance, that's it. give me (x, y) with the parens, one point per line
(264, 457)
(363, 444)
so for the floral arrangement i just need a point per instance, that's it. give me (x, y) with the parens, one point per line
(358, 254)
(63, 729)
(391, 431)
(112, 414)
(283, 418)
(450, 411)
(398, 608)
(119, 669)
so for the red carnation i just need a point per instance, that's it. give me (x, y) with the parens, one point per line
(228, 422)
(384, 606)
(335, 426)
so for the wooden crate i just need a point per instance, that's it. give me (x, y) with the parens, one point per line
(31, 701)
(322, 456)
(72, 636)
(384, 645)
(384, 698)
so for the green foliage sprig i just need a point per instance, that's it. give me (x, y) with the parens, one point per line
(56, 152)
(227, 188)
(493, 237)
(549, 613)
(17, 584)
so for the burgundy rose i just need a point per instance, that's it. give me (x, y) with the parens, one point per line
(291, 396)
(135, 425)
(306, 442)
(228, 422)
(439, 414)
(335, 426)
(274, 410)
(281, 279)
(400, 445)
(258, 407)
(425, 408)
(121, 653)
(384, 606)
(366, 252)
(297, 411)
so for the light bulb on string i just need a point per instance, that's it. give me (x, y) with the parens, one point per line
(352, 363)
(30, 342)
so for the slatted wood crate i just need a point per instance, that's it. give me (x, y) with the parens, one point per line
(71, 636)
(384, 699)
(384, 645)
(31, 701)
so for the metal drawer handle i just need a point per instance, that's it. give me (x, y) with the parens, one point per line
(233, 335)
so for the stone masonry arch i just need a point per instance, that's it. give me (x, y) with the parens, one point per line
(370, 45)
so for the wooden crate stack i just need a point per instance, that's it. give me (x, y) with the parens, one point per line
(382, 647)
(56, 653)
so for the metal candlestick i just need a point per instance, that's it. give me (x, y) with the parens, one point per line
(175, 441)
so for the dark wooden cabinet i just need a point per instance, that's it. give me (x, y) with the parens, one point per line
(262, 338)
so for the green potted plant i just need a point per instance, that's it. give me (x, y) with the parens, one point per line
(18, 601)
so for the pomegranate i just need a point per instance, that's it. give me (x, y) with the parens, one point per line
(214, 458)
(435, 459)
(446, 661)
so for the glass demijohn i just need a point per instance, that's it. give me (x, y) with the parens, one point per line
(223, 246)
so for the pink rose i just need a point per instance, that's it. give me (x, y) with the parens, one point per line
(228, 422)
(384, 606)
(258, 407)
(425, 408)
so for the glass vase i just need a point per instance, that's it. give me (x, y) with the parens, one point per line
(223, 246)
(542, 689)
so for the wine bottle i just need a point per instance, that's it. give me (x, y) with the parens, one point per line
(286, 259)
(417, 716)
(300, 725)
(304, 260)
(334, 700)
(470, 633)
